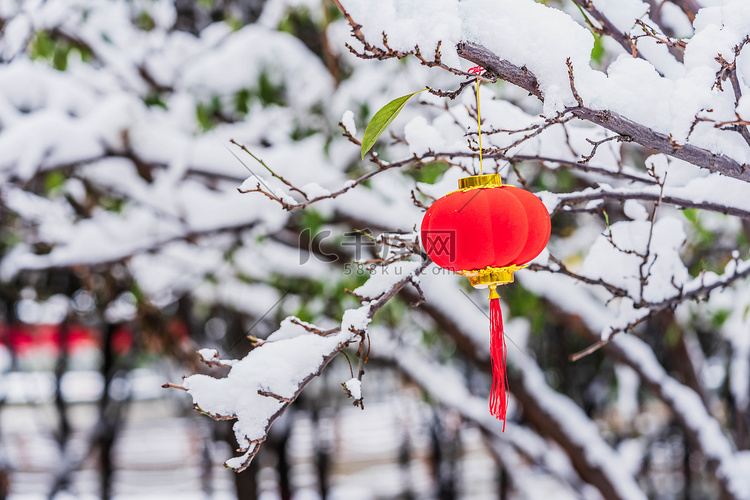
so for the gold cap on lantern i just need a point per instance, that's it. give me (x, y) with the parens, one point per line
(480, 181)
(489, 276)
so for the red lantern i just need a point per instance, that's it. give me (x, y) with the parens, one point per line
(486, 231)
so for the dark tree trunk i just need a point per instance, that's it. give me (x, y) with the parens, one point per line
(443, 459)
(502, 479)
(107, 436)
(404, 462)
(245, 482)
(322, 452)
(61, 366)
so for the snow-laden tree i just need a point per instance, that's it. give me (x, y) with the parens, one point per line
(627, 118)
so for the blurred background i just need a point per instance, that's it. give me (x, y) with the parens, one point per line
(125, 247)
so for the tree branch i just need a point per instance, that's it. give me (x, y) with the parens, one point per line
(640, 134)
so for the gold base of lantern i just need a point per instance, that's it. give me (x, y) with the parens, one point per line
(491, 276)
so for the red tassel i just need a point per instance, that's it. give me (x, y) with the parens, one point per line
(498, 395)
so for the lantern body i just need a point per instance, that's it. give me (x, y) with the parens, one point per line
(487, 230)
(489, 226)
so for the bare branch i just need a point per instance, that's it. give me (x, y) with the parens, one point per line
(567, 199)
(451, 94)
(270, 394)
(648, 31)
(596, 144)
(571, 78)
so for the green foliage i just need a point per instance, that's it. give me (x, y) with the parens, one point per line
(720, 317)
(364, 112)
(606, 222)
(430, 173)
(597, 53)
(318, 298)
(266, 93)
(234, 22)
(42, 46)
(56, 50)
(691, 214)
(672, 335)
(524, 303)
(392, 314)
(144, 21)
(9, 236)
(382, 119)
(561, 179)
(299, 23)
(207, 113)
(270, 93)
(112, 204)
(53, 181)
(154, 100)
(242, 101)
(742, 242)
(312, 219)
(701, 254)
(439, 344)
(301, 132)
(333, 13)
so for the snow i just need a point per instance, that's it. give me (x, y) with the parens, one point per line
(283, 56)
(627, 392)
(208, 354)
(251, 183)
(347, 119)
(289, 329)
(635, 210)
(15, 36)
(315, 190)
(356, 320)
(180, 228)
(421, 137)
(354, 386)
(406, 18)
(629, 246)
(631, 87)
(577, 425)
(383, 278)
(688, 405)
(277, 367)
(640, 357)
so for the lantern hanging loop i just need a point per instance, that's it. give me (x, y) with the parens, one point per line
(478, 70)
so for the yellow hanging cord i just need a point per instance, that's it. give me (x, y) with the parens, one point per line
(479, 125)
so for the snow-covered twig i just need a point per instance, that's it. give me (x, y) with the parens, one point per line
(259, 388)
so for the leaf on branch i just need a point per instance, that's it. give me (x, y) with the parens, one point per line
(382, 119)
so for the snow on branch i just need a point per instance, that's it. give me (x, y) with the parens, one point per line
(611, 120)
(260, 387)
(444, 386)
(688, 408)
(554, 415)
(702, 428)
(499, 37)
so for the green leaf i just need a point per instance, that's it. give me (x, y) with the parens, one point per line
(597, 53)
(382, 119)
